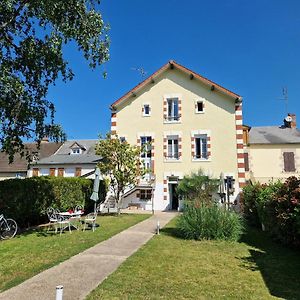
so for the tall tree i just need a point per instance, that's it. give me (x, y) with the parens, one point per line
(121, 164)
(32, 36)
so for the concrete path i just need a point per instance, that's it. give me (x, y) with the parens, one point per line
(85, 271)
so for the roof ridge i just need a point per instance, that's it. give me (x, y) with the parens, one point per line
(172, 63)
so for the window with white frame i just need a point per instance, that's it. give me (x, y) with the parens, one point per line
(173, 109)
(122, 139)
(146, 146)
(76, 151)
(201, 146)
(146, 151)
(199, 106)
(146, 110)
(173, 142)
(145, 194)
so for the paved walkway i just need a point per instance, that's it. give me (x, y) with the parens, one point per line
(85, 271)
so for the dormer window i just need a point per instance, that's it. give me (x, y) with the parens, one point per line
(76, 151)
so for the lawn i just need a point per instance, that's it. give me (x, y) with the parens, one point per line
(29, 253)
(168, 267)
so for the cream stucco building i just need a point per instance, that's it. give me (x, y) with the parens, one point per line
(272, 152)
(187, 122)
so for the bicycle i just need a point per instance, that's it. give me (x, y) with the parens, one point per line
(8, 228)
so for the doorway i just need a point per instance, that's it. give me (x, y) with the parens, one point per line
(174, 201)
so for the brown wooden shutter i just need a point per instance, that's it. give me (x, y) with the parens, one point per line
(78, 172)
(246, 160)
(60, 172)
(52, 172)
(35, 172)
(289, 161)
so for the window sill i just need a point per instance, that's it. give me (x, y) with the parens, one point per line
(201, 159)
(172, 122)
(146, 115)
(172, 160)
(199, 112)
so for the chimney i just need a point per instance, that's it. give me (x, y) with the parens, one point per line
(293, 122)
(45, 139)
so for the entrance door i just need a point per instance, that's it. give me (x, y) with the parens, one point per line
(174, 203)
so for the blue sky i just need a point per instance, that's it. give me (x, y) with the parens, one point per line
(249, 47)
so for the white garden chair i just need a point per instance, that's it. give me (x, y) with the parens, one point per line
(90, 220)
(64, 222)
(53, 218)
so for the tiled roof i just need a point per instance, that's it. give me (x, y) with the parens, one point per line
(173, 64)
(20, 164)
(63, 156)
(274, 135)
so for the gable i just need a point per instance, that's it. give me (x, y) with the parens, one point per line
(169, 67)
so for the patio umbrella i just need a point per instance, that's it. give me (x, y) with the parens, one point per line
(95, 196)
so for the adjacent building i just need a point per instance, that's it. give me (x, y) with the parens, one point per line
(20, 166)
(186, 122)
(75, 158)
(272, 152)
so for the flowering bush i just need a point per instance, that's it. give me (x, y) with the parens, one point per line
(277, 207)
(284, 213)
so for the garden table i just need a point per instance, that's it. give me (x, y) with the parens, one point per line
(72, 216)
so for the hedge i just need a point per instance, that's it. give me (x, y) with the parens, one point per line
(26, 200)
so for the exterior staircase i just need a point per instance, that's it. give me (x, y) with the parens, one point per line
(108, 206)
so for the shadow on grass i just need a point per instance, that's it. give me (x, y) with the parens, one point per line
(278, 265)
(171, 231)
(41, 232)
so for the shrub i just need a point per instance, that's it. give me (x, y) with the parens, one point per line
(277, 206)
(248, 203)
(284, 213)
(198, 186)
(27, 200)
(200, 221)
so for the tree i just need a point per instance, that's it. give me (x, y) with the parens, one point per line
(120, 163)
(32, 36)
(198, 186)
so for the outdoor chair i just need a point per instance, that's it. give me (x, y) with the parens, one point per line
(64, 222)
(53, 218)
(78, 209)
(90, 220)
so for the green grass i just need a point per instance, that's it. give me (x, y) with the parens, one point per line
(168, 267)
(32, 252)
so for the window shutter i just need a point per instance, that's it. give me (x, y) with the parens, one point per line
(78, 172)
(52, 172)
(35, 172)
(289, 161)
(246, 161)
(60, 172)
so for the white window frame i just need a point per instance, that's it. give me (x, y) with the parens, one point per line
(202, 138)
(75, 151)
(173, 138)
(144, 110)
(201, 100)
(171, 117)
(146, 193)
(148, 146)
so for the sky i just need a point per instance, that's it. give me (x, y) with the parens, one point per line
(249, 47)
